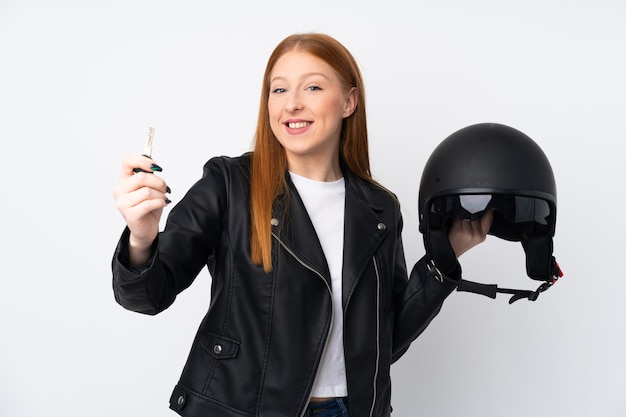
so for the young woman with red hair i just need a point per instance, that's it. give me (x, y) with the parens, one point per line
(311, 300)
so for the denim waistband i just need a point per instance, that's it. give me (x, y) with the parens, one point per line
(334, 407)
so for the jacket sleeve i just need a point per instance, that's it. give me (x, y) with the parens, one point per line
(417, 301)
(188, 242)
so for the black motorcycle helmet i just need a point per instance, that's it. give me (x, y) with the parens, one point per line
(492, 166)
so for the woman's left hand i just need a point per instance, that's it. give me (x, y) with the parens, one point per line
(464, 235)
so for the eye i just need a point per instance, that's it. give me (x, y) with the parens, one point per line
(278, 90)
(314, 88)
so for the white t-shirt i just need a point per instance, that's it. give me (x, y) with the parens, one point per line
(325, 204)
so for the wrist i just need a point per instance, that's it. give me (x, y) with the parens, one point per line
(140, 245)
(139, 251)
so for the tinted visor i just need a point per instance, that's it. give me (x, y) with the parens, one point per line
(515, 209)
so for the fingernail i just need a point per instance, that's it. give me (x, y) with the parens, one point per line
(168, 190)
(167, 201)
(155, 167)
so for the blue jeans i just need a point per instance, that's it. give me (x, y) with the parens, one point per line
(337, 407)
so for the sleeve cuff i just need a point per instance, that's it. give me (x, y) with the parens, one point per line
(121, 255)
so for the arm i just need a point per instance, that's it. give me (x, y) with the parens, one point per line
(417, 304)
(178, 253)
(421, 299)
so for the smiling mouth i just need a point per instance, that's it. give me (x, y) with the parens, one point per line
(298, 125)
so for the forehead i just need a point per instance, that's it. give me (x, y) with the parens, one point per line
(296, 64)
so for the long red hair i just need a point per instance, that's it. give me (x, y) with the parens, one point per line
(269, 162)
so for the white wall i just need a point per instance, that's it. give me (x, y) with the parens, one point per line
(80, 82)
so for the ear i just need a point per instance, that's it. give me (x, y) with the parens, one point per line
(351, 103)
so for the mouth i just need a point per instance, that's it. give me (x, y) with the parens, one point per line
(297, 125)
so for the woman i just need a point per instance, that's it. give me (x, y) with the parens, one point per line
(310, 300)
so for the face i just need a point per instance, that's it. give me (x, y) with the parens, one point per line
(307, 105)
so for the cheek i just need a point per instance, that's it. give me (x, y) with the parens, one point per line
(274, 118)
(274, 103)
(271, 108)
(274, 111)
(274, 121)
(333, 107)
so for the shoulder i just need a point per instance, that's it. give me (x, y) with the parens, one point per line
(384, 192)
(221, 175)
(387, 199)
(371, 192)
(241, 162)
(228, 168)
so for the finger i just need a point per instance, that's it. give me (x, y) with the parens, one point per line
(475, 232)
(143, 214)
(135, 198)
(141, 180)
(464, 235)
(143, 219)
(486, 221)
(466, 227)
(141, 210)
(131, 164)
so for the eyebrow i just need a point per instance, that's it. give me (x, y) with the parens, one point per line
(307, 75)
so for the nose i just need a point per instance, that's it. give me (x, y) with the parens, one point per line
(294, 103)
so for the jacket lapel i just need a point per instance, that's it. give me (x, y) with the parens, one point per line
(297, 233)
(364, 230)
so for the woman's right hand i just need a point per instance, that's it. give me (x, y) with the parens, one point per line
(140, 198)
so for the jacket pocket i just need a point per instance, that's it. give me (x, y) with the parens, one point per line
(219, 347)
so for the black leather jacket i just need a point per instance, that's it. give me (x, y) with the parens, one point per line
(257, 350)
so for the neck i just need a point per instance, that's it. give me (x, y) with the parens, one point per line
(316, 168)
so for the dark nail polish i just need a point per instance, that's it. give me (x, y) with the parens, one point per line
(167, 201)
(168, 190)
(155, 167)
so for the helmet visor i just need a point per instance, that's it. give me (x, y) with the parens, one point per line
(515, 209)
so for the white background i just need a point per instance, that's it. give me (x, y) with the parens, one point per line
(81, 81)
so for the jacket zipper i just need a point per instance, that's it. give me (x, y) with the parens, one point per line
(332, 312)
(377, 334)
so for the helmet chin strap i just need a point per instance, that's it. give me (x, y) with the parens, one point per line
(442, 264)
(491, 290)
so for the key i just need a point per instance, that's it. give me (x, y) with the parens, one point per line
(147, 148)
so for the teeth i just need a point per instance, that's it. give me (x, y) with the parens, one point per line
(298, 125)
